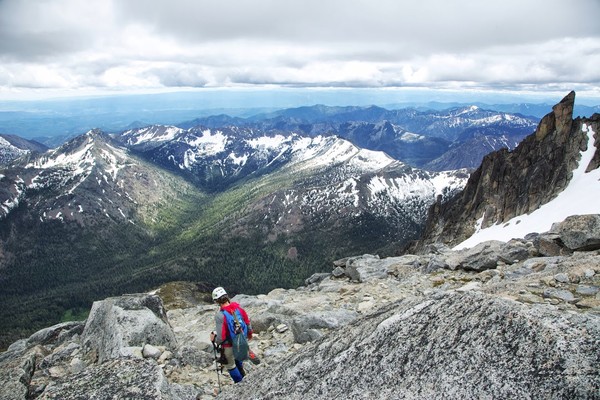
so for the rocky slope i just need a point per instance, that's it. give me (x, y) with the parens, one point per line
(513, 183)
(504, 320)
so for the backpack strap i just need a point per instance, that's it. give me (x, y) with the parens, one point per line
(226, 339)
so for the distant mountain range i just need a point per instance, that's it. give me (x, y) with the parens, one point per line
(53, 121)
(435, 140)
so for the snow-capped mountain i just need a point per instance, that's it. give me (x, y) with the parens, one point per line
(319, 180)
(87, 177)
(416, 137)
(473, 146)
(13, 147)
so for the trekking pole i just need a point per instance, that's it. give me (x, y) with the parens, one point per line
(217, 365)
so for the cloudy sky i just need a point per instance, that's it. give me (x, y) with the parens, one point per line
(99, 46)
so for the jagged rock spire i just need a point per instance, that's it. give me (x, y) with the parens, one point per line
(559, 120)
(509, 184)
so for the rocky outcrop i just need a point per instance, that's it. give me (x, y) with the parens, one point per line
(117, 379)
(120, 352)
(452, 345)
(508, 184)
(509, 320)
(579, 232)
(118, 327)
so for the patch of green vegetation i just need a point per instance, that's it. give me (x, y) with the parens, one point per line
(75, 314)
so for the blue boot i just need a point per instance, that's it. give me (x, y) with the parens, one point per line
(236, 375)
(240, 367)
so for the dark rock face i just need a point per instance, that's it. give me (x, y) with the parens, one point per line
(508, 184)
(580, 232)
(466, 345)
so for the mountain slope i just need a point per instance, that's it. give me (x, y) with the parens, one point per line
(13, 147)
(86, 177)
(325, 175)
(509, 185)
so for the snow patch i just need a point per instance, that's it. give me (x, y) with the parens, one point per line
(208, 144)
(241, 160)
(410, 137)
(579, 197)
(267, 142)
(152, 134)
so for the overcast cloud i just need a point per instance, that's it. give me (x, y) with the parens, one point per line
(129, 45)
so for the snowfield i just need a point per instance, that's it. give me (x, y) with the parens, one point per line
(580, 197)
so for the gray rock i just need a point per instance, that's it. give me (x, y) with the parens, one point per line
(579, 232)
(369, 267)
(262, 321)
(276, 350)
(116, 379)
(59, 355)
(587, 290)
(589, 273)
(338, 272)
(190, 355)
(150, 351)
(549, 244)
(303, 326)
(562, 277)
(56, 334)
(481, 257)
(364, 267)
(316, 278)
(488, 255)
(16, 371)
(117, 324)
(514, 251)
(341, 262)
(435, 263)
(559, 294)
(454, 345)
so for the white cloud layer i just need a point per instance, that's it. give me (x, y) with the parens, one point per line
(144, 44)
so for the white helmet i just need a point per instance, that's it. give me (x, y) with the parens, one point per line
(218, 293)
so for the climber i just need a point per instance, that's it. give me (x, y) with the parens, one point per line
(223, 336)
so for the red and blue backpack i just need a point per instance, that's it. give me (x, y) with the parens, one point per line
(237, 331)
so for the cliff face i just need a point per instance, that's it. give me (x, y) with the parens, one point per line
(508, 184)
